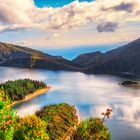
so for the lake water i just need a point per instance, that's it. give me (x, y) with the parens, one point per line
(91, 94)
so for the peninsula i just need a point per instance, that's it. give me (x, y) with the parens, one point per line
(23, 90)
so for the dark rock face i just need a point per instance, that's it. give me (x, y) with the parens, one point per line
(16, 56)
(123, 60)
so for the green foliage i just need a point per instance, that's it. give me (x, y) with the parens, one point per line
(60, 119)
(92, 129)
(54, 122)
(30, 128)
(18, 89)
(6, 118)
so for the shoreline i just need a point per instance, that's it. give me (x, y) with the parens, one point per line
(32, 95)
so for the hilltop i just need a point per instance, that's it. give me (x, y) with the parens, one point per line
(121, 61)
(23, 57)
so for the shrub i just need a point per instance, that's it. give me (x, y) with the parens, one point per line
(6, 118)
(30, 128)
(60, 118)
(92, 129)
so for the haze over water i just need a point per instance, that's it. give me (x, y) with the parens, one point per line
(91, 94)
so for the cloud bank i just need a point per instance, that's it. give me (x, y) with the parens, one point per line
(105, 14)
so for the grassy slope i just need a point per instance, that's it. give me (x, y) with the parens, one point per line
(60, 119)
(33, 53)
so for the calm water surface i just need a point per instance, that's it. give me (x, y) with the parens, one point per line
(91, 94)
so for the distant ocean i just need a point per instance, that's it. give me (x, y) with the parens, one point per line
(72, 52)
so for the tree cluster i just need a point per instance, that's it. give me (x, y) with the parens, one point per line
(18, 89)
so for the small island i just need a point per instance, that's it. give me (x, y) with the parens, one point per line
(23, 89)
(132, 84)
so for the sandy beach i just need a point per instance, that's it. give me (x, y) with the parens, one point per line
(32, 95)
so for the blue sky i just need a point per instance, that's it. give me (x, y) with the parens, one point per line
(54, 3)
(67, 27)
(72, 52)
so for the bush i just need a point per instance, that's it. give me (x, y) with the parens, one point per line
(54, 122)
(60, 118)
(92, 129)
(6, 118)
(30, 128)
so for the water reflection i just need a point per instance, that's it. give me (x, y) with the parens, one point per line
(90, 94)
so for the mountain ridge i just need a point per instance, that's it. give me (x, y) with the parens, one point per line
(122, 60)
(23, 57)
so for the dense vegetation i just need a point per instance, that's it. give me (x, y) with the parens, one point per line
(18, 89)
(7, 118)
(92, 129)
(30, 128)
(60, 118)
(53, 122)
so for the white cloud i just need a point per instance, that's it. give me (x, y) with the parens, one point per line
(81, 37)
(17, 14)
